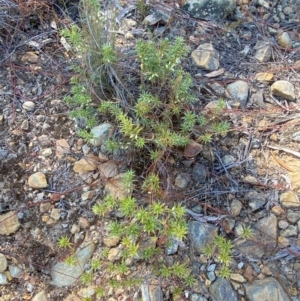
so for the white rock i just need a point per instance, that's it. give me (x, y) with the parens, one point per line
(28, 105)
(47, 152)
(3, 263)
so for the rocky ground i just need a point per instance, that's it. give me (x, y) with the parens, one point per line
(248, 177)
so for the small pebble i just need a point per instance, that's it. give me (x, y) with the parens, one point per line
(3, 279)
(55, 214)
(15, 271)
(28, 105)
(25, 125)
(3, 263)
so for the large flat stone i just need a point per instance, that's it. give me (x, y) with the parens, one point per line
(209, 9)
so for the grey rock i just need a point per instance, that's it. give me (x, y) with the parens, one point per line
(152, 19)
(249, 248)
(255, 143)
(256, 268)
(292, 216)
(272, 31)
(228, 224)
(239, 228)
(283, 224)
(217, 88)
(228, 159)
(222, 290)
(289, 231)
(283, 89)
(236, 207)
(151, 291)
(3, 279)
(288, 10)
(101, 133)
(239, 91)
(197, 209)
(284, 40)
(206, 57)
(267, 289)
(159, 15)
(40, 296)
(29, 287)
(25, 125)
(182, 180)
(3, 153)
(64, 274)
(255, 199)
(201, 234)
(85, 149)
(172, 246)
(15, 271)
(197, 297)
(3, 263)
(209, 10)
(211, 276)
(268, 228)
(211, 268)
(199, 173)
(263, 51)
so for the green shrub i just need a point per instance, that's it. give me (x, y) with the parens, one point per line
(153, 120)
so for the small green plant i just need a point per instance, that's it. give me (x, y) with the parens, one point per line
(87, 277)
(247, 233)
(71, 260)
(221, 250)
(225, 272)
(64, 242)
